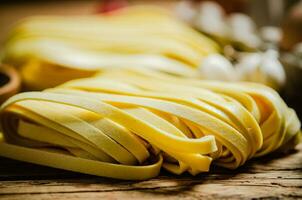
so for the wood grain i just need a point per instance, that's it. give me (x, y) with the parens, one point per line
(277, 176)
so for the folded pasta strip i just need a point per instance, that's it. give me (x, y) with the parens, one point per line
(128, 124)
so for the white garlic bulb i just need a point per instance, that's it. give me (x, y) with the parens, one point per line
(261, 67)
(243, 30)
(210, 18)
(217, 67)
(185, 11)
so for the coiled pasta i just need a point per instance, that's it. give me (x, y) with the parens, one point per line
(80, 46)
(128, 124)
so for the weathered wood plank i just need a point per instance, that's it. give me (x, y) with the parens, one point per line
(271, 177)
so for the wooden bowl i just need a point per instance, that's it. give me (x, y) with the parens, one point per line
(9, 82)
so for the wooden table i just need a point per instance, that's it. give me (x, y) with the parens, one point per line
(272, 177)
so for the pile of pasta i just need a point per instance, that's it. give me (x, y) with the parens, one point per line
(131, 123)
(51, 50)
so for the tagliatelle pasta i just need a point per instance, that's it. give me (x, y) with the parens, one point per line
(128, 124)
(80, 46)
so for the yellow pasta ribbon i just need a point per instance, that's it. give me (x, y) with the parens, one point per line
(130, 123)
(80, 46)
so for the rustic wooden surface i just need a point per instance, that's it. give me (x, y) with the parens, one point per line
(272, 177)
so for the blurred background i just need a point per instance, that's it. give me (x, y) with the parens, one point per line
(263, 12)
(270, 28)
